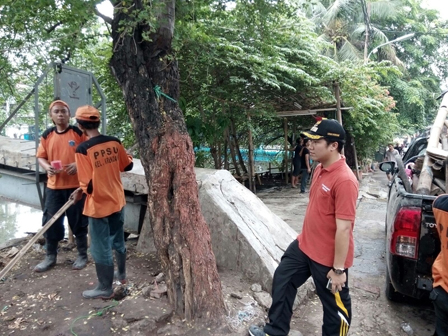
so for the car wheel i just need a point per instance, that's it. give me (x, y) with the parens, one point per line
(391, 294)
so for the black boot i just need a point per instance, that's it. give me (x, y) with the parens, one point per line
(120, 274)
(103, 289)
(50, 258)
(81, 261)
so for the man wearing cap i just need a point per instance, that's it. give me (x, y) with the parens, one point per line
(324, 249)
(100, 161)
(59, 143)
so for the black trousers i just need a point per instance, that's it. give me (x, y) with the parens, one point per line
(54, 200)
(292, 272)
(439, 298)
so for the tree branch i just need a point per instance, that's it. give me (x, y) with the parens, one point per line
(49, 30)
(104, 17)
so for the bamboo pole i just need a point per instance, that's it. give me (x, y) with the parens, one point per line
(35, 238)
(426, 175)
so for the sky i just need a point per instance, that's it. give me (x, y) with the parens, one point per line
(106, 8)
(440, 5)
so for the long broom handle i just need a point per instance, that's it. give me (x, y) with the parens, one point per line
(35, 238)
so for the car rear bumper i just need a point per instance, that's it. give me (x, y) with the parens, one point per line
(406, 280)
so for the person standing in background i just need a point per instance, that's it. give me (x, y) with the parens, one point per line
(305, 164)
(389, 156)
(296, 163)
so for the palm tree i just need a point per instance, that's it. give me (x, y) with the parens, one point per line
(349, 26)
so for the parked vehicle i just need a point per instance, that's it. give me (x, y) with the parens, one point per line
(412, 242)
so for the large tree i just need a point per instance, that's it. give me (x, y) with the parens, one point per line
(146, 69)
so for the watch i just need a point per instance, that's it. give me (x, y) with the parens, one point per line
(338, 271)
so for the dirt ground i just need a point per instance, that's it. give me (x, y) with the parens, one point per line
(51, 304)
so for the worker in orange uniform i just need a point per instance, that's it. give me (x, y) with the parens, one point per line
(100, 161)
(56, 154)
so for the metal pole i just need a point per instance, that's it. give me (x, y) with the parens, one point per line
(36, 140)
(36, 131)
(13, 113)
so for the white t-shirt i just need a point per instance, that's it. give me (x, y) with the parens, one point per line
(390, 156)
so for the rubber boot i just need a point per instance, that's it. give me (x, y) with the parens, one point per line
(50, 258)
(120, 274)
(81, 261)
(103, 289)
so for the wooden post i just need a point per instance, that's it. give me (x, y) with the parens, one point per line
(285, 127)
(338, 102)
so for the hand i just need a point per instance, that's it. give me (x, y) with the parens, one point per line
(338, 281)
(71, 168)
(76, 195)
(51, 171)
(309, 170)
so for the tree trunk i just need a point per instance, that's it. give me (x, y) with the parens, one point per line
(181, 236)
(237, 146)
(233, 155)
(252, 184)
(219, 156)
(214, 154)
(226, 159)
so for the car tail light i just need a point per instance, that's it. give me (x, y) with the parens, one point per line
(405, 233)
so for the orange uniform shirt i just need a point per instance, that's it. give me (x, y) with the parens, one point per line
(440, 266)
(61, 146)
(99, 161)
(333, 194)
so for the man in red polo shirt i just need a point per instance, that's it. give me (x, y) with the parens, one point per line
(324, 249)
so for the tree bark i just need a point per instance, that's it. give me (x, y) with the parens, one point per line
(233, 155)
(181, 235)
(252, 184)
(237, 146)
(226, 159)
(214, 154)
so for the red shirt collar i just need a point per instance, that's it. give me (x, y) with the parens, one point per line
(335, 165)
